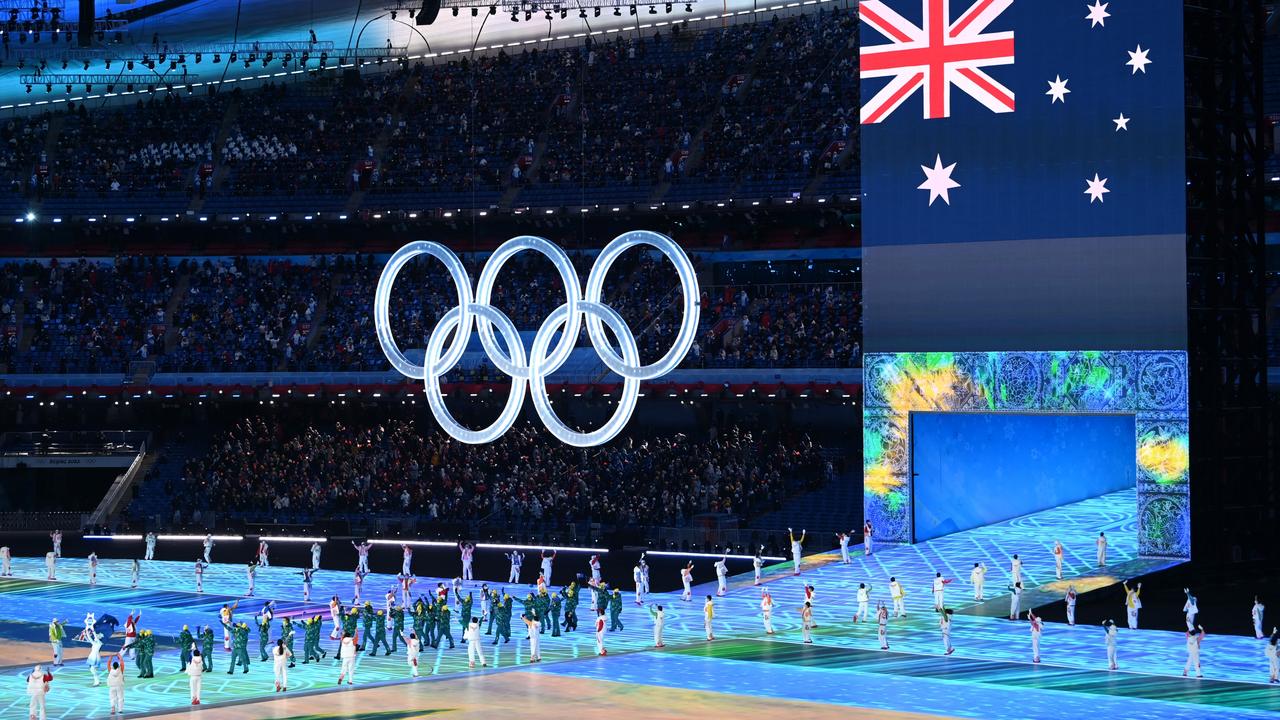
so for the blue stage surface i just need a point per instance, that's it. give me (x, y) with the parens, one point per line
(990, 675)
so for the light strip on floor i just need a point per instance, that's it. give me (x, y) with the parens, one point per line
(112, 537)
(668, 553)
(197, 537)
(292, 538)
(432, 543)
(557, 548)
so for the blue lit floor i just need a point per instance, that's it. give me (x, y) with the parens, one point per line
(990, 674)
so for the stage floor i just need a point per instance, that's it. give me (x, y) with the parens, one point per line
(989, 676)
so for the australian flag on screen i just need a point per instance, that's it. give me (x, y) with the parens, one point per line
(1027, 119)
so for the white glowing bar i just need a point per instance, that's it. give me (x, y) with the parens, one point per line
(431, 543)
(112, 537)
(712, 555)
(292, 538)
(557, 548)
(198, 537)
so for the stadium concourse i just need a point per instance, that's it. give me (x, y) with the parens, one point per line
(990, 674)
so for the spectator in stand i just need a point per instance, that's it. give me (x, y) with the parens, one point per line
(271, 467)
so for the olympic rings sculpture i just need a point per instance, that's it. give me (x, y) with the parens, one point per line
(532, 367)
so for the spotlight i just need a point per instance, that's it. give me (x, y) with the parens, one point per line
(582, 13)
(182, 58)
(129, 64)
(653, 10)
(233, 57)
(162, 57)
(475, 12)
(633, 9)
(493, 9)
(597, 12)
(565, 13)
(455, 11)
(30, 216)
(668, 8)
(173, 64)
(528, 16)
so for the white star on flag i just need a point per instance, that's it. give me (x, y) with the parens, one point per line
(938, 181)
(1058, 89)
(1097, 188)
(1138, 60)
(1122, 122)
(1098, 14)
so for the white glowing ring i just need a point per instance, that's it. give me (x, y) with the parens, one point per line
(382, 306)
(434, 371)
(537, 379)
(532, 368)
(688, 288)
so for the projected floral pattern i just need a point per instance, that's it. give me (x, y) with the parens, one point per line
(1150, 385)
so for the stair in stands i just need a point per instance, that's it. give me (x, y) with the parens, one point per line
(180, 288)
(407, 92)
(221, 170)
(836, 507)
(512, 193)
(28, 299)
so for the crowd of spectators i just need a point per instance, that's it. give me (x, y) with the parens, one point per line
(246, 315)
(267, 468)
(630, 116)
(467, 124)
(12, 290)
(272, 315)
(153, 147)
(800, 98)
(92, 317)
(741, 103)
(22, 141)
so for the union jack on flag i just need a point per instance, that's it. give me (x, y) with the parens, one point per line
(936, 55)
